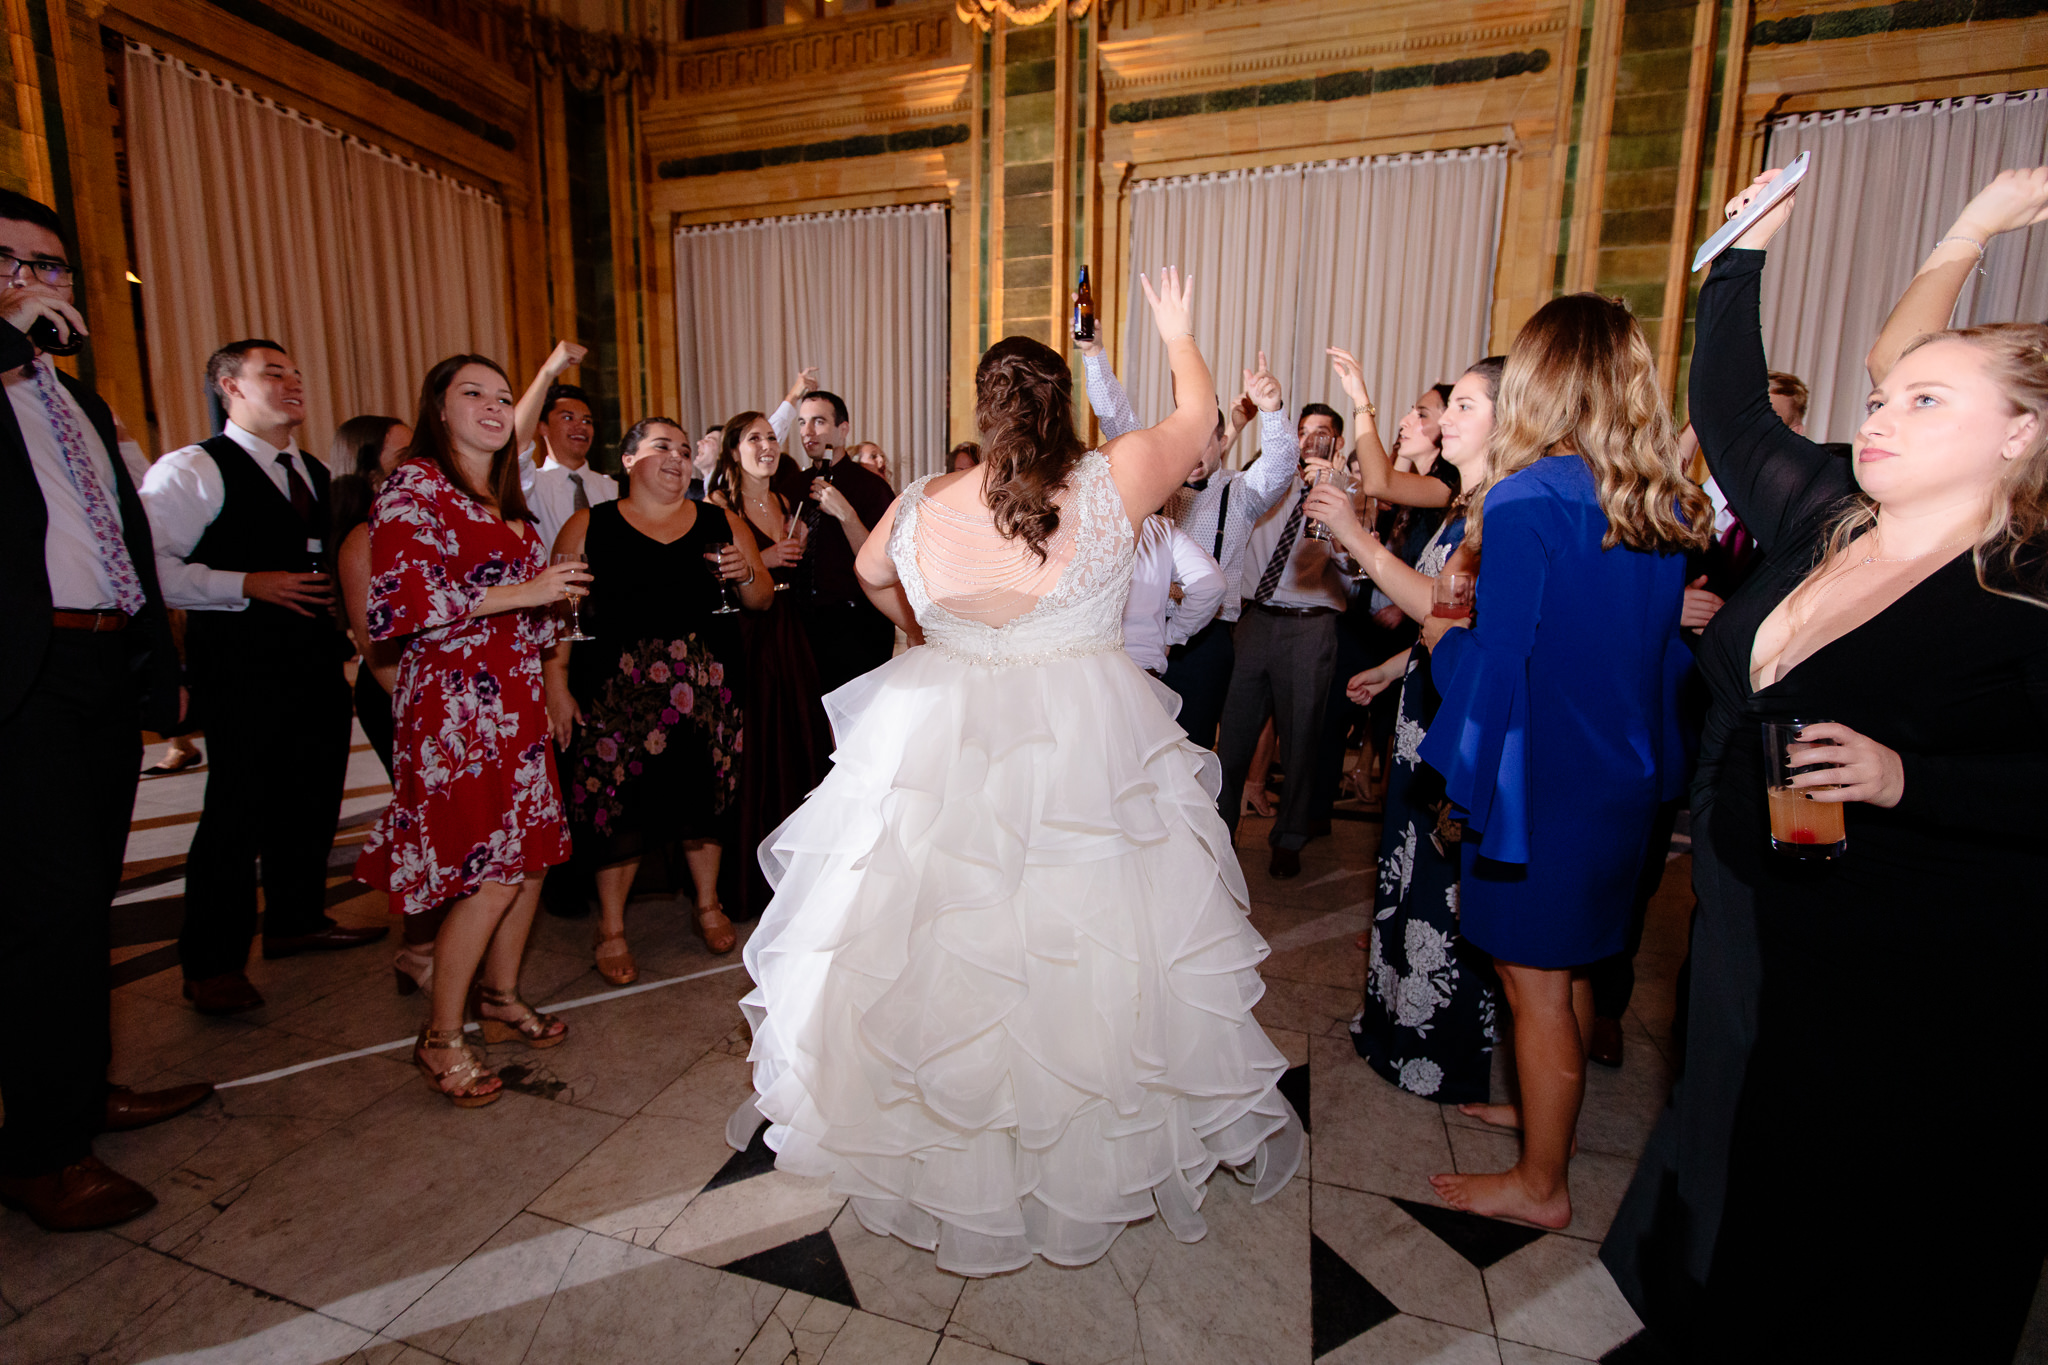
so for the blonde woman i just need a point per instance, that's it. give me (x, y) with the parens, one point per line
(1901, 610)
(1558, 734)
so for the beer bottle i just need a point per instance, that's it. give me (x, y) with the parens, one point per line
(1084, 310)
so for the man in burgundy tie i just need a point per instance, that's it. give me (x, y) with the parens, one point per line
(87, 662)
(241, 523)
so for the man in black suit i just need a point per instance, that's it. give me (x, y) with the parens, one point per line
(240, 522)
(88, 662)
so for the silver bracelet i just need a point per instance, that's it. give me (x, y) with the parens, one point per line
(1958, 237)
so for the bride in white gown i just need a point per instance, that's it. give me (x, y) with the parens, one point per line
(1003, 994)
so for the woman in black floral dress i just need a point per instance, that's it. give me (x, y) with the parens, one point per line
(650, 709)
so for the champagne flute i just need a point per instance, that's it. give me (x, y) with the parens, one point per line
(715, 561)
(575, 595)
(1320, 447)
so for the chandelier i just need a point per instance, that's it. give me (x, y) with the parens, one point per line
(981, 13)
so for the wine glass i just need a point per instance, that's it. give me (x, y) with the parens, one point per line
(727, 606)
(576, 595)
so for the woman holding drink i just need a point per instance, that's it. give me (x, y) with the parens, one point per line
(1898, 623)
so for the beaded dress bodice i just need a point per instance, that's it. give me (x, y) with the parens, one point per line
(986, 599)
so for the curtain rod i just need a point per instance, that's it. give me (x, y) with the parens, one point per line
(836, 215)
(1956, 104)
(1491, 151)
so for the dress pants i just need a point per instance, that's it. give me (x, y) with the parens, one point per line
(847, 639)
(1283, 666)
(277, 750)
(69, 759)
(1354, 656)
(1200, 673)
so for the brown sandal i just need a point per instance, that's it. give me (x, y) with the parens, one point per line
(716, 929)
(534, 1029)
(468, 1084)
(615, 961)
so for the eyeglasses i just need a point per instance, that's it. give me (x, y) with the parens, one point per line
(52, 272)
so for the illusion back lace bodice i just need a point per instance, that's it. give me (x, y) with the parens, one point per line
(984, 598)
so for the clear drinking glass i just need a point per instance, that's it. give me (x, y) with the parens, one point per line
(576, 601)
(727, 605)
(1801, 828)
(1320, 446)
(1451, 598)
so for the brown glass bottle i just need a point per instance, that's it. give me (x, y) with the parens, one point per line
(1084, 310)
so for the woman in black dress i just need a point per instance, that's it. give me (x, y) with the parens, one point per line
(789, 740)
(1902, 600)
(654, 702)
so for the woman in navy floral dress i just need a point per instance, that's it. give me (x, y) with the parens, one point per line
(459, 573)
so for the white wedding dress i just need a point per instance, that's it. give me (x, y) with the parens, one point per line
(1003, 993)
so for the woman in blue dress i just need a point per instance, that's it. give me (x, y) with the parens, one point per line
(1558, 732)
(1427, 1020)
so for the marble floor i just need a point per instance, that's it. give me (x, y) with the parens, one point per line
(342, 1212)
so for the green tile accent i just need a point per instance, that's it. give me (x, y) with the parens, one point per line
(1032, 178)
(1026, 241)
(1337, 86)
(1029, 78)
(1914, 14)
(867, 144)
(1035, 44)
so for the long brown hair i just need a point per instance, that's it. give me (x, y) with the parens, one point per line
(725, 475)
(2011, 553)
(1580, 380)
(1024, 407)
(431, 441)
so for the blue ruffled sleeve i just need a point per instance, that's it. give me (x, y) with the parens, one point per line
(1479, 740)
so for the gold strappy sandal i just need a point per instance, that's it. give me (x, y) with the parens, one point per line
(468, 1084)
(534, 1029)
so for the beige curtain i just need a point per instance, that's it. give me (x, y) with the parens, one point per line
(861, 295)
(254, 220)
(1884, 186)
(1390, 257)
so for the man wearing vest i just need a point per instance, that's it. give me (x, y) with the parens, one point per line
(240, 522)
(88, 662)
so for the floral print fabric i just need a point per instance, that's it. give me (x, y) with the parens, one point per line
(629, 725)
(474, 797)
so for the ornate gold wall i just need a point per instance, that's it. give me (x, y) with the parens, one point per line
(1629, 120)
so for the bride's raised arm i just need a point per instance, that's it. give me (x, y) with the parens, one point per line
(1148, 465)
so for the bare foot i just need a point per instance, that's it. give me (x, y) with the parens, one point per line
(1499, 1115)
(1503, 1195)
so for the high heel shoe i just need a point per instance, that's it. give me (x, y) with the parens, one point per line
(717, 930)
(534, 1029)
(468, 1084)
(413, 969)
(615, 961)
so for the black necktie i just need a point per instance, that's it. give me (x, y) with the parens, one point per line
(1200, 485)
(295, 488)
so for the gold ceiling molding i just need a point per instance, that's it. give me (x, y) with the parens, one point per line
(836, 49)
(664, 132)
(1289, 57)
(982, 13)
(417, 47)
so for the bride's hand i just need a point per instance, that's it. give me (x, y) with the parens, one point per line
(1172, 303)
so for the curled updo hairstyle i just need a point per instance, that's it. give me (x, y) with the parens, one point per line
(1580, 380)
(724, 482)
(2011, 553)
(1024, 406)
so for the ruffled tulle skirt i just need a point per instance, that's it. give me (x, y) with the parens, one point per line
(1003, 993)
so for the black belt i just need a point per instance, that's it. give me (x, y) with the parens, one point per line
(1272, 610)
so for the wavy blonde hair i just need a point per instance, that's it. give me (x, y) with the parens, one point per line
(1580, 380)
(2011, 553)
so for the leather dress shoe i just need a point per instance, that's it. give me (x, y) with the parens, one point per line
(130, 1109)
(1286, 863)
(332, 939)
(1605, 1045)
(228, 994)
(84, 1195)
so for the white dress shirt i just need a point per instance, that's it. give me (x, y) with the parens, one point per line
(1153, 621)
(1252, 492)
(78, 578)
(1310, 578)
(183, 494)
(552, 499)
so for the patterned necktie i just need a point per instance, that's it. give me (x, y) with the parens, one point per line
(92, 494)
(295, 488)
(579, 499)
(1277, 565)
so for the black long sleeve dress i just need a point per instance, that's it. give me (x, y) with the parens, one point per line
(1894, 990)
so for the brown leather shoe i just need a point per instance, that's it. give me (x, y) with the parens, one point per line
(1286, 863)
(1605, 1047)
(229, 994)
(332, 939)
(130, 1109)
(84, 1195)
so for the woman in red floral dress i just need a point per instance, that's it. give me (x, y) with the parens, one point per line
(460, 573)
